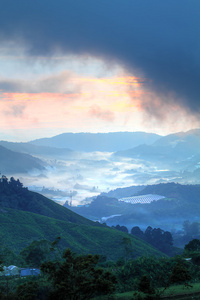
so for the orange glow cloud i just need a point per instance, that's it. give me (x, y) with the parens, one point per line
(38, 96)
(126, 80)
(99, 98)
(98, 112)
(67, 97)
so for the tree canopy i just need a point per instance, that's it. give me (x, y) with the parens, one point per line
(78, 277)
(193, 245)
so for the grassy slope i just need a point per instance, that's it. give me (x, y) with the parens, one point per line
(36, 203)
(49, 208)
(19, 228)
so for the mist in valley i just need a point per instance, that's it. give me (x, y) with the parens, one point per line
(91, 182)
(86, 175)
(83, 176)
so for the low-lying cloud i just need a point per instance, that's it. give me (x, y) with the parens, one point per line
(65, 82)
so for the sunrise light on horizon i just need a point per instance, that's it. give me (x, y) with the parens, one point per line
(113, 72)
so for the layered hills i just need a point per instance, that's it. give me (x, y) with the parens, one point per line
(41, 151)
(150, 159)
(12, 162)
(26, 216)
(179, 203)
(175, 151)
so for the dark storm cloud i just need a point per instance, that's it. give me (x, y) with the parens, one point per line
(161, 39)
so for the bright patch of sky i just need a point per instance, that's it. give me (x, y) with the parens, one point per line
(46, 96)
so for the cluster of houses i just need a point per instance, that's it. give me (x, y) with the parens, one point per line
(21, 272)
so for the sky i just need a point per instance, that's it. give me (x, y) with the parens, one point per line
(98, 66)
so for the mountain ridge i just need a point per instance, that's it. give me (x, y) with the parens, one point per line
(176, 152)
(31, 149)
(89, 142)
(15, 162)
(181, 203)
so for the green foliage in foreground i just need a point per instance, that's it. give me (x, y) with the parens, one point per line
(161, 272)
(171, 291)
(72, 276)
(77, 277)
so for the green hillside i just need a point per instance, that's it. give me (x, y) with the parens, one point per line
(26, 216)
(14, 195)
(19, 228)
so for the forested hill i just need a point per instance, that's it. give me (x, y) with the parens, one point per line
(12, 162)
(181, 203)
(185, 193)
(26, 217)
(14, 195)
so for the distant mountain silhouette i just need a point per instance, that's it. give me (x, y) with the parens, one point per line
(191, 137)
(110, 142)
(179, 150)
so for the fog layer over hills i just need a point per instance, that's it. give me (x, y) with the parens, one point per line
(69, 168)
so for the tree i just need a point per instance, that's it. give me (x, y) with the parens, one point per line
(145, 285)
(4, 184)
(121, 228)
(137, 232)
(36, 253)
(28, 291)
(193, 245)
(167, 243)
(55, 248)
(15, 184)
(148, 234)
(180, 274)
(7, 255)
(160, 239)
(77, 277)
